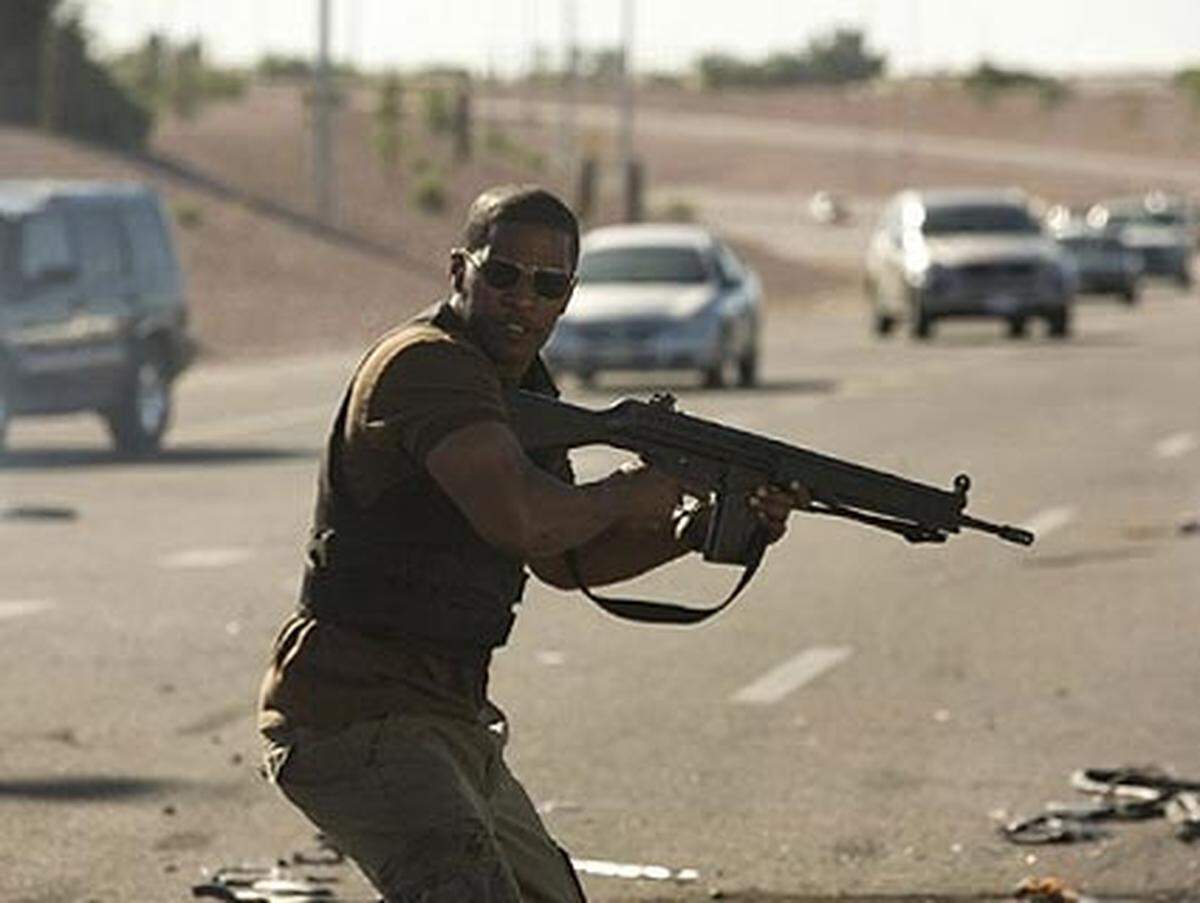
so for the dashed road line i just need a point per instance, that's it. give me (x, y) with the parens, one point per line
(1047, 521)
(205, 558)
(1176, 445)
(791, 675)
(16, 608)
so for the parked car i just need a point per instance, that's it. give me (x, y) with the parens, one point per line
(1103, 263)
(660, 297)
(965, 253)
(92, 309)
(1153, 227)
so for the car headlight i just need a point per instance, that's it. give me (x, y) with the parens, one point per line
(702, 324)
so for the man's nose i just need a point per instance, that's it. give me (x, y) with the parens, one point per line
(521, 292)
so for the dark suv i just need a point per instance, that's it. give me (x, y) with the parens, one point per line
(92, 308)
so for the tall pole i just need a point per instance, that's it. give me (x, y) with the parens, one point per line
(570, 86)
(322, 119)
(626, 112)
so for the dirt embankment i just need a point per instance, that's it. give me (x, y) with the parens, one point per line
(263, 280)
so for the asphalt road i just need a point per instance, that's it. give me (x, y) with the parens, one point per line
(859, 724)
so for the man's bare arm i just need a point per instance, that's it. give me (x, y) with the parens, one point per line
(632, 548)
(516, 506)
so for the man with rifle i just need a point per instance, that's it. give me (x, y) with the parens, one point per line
(374, 707)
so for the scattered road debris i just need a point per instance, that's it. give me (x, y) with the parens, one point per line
(1047, 890)
(325, 853)
(1122, 794)
(558, 806)
(1046, 828)
(1183, 811)
(603, 869)
(263, 884)
(279, 882)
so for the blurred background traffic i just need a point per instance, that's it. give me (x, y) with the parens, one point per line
(314, 158)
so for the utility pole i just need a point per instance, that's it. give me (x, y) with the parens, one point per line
(630, 181)
(570, 85)
(323, 120)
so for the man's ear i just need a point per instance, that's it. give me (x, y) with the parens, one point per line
(458, 269)
(567, 299)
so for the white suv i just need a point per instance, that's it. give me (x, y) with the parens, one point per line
(966, 253)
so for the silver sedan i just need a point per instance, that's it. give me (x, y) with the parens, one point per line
(660, 297)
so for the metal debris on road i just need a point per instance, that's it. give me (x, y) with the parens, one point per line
(1122, 794)
(277, 882)
(1183, 811)
(325, 853)
(549, 806)
(264, 884)
(604, 869)
(1046, 828)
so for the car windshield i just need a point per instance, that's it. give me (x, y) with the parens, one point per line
(642, 264)
(978, 218)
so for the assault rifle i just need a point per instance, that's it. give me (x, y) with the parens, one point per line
(729, 463)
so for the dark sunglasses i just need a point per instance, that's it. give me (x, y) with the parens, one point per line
(502, 274)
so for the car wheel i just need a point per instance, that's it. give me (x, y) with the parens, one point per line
(1059, 324)
(713, 377)
(5, 416)
(748, 368)
(139, 420)
(1130, 295)
(922, 324)
(1017, 328)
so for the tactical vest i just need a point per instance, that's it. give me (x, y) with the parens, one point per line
(410, 566)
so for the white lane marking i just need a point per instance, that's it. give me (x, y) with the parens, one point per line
(1046, 522)
(791, 675)
(205, 558)
(233, 427)
(632, 871)
(1176, 445)
(16, 608)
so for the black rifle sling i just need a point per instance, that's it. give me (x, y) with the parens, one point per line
(667, 612)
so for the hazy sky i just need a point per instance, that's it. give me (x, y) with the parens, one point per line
(1059, 35)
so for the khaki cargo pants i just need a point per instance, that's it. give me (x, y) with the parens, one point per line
(427, 809)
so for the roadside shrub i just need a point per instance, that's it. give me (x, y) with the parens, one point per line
(986, 82)
(675, 210)
(188, 215)
(496, 140)
(439, 118)
(429, 194)
(1188, 81)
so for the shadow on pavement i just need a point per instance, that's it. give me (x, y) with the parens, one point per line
(45, 458)
(83, 788)
(972, 340)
